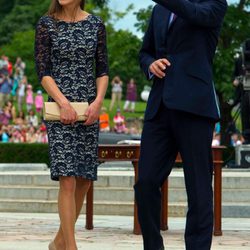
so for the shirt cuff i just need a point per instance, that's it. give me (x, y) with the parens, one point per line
(150, 75)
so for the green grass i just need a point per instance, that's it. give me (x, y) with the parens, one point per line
(139, 110)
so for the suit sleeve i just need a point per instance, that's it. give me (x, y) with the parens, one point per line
(207, 13)
(147, 52)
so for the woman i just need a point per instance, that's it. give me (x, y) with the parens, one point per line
(116, 92)
(20, 119)
(131, 96)
(68, 42)
(20, 66)
(21, 92)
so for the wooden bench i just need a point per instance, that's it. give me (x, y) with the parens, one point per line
(132, 153)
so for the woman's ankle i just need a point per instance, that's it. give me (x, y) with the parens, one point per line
(59, 241)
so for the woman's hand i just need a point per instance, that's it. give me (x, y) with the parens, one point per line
(67, 114)
(93, 112)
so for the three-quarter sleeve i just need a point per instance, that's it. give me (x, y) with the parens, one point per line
(42, 50)
(101, 57)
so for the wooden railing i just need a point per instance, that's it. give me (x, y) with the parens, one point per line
(132, 153)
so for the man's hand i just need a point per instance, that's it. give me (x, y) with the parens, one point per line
(158, 67)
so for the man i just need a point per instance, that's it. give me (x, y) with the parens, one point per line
(177, 52)
(242, 96)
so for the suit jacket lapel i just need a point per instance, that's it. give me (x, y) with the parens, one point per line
(164, 19)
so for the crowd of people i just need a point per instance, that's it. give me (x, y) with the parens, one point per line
(236, 137)
(23, 122)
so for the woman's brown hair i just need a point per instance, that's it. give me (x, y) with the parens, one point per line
(55, 7)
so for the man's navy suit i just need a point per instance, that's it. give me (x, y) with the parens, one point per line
(180, 115)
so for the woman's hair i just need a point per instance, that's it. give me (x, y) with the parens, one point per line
(55, 7)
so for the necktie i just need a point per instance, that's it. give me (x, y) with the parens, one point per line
(172, 19)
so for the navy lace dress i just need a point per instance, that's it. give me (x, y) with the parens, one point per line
(74, 54)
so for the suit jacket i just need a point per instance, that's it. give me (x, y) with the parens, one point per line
(189, 43)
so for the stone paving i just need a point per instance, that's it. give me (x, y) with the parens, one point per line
(24, 231)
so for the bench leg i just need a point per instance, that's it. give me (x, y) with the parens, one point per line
(137, 228)
(217, 199)
(164, 206)
(89, 207)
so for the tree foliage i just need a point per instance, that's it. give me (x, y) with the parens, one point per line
(22, 45)
(123, 49)
(6, 7)
(123, 46)
(22, 15)
(142, 17)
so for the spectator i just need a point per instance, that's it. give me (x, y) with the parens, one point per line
(20, 119)
(104, 120)
(43, 127)
(31, 135)
(17, 136)
(20, 66)
(9, 67)
(216, 140)
(39, 102)
(4, 135)
(44, 137)
(23, 129)
(5, 89)
(217, 128)
(31, 119)
(12, 110)
(21, 92)
(16, 82)
(29, 97)
(119, 122)
(116, 92)
(5, 116)
(236, 139)
(131, 96)
(5, 66)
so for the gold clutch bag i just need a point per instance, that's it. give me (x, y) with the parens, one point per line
(51, 110)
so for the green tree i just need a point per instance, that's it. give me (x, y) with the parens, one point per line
(22, 45)
(123, 46)
(6, 7)
(22, 15)
(142, 17)
(123, 49)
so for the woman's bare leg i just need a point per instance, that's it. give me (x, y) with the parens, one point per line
(67, 211)
(113, 99)
(82, 187)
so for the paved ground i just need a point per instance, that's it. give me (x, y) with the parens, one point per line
(34, 231)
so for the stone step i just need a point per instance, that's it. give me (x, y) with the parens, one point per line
(23, 167)
(231, 180)
(100, 207)
(112, 194)
(43, 179)
(230, 210)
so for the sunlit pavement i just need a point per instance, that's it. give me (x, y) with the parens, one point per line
(34, 231)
